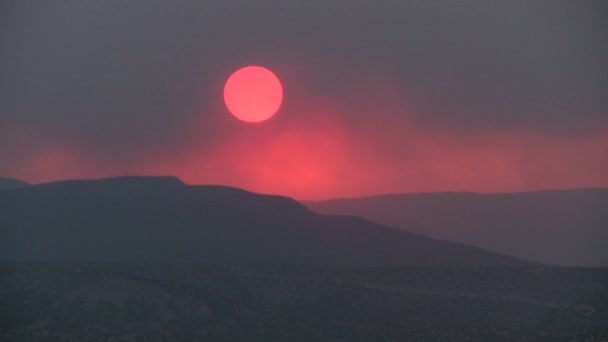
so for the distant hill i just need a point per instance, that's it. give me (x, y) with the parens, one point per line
(564, 227)
(162, 219)
(10, 183)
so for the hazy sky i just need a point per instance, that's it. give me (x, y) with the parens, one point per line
(380, 96)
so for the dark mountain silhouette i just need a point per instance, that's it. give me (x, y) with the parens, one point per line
(160, 219)
(10, 183)
(565, 227)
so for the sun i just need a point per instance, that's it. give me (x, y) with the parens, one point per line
(253, 94)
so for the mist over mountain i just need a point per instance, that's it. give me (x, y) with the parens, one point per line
(161, 219)
(564, 227)
(10, 183)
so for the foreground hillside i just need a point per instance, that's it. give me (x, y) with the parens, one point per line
(127, 302)
(163, 220)
(561, 227)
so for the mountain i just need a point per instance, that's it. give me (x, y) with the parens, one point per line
(161, 219)
(564, 227)
(10, 183)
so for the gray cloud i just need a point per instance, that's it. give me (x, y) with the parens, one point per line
(127, 75)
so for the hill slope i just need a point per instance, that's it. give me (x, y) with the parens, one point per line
(162, 219)
(10, 183)
(567, 227)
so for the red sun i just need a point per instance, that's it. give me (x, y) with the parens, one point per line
(253, 94)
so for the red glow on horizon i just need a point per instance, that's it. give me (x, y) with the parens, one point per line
(321, 151)
(324, 163)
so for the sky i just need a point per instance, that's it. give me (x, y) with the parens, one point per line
(380, 96)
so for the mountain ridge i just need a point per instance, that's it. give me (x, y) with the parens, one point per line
(7, 183)
(141, 219)
(563, 227)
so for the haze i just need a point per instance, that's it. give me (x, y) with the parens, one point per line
(389, 97)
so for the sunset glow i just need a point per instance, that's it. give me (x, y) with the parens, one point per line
(306, 107)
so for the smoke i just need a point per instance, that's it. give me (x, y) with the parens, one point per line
(395, 96)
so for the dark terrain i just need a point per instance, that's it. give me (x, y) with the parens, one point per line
(561, 227)
(172, 302)
(10, 183)
(153, 259)
(161, 219)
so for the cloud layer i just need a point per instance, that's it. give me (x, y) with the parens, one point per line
(396, 96)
